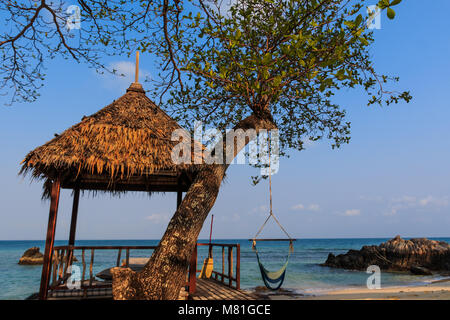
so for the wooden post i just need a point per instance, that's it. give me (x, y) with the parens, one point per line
(73, 222)
(50, 239)
(136, 75)
(179, 198)
(193, 271)
(210, 235)
(55, 266)
(223, 264)
(230, 266)
(73, 227)
(91, 266)
(84, 265)
(238, 267)
(118, 257)
(127, 260)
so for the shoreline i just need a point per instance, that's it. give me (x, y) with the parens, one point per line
(434, 290)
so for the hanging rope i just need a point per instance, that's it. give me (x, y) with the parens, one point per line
(271, 215)
(272, 280)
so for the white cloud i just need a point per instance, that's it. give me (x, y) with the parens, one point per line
(158, 217)
(411, 203)
(261, 208)
(298, 207)
(372, 198)
(434, 201)
(124, 75)
(405, 199)
(302, 207)
(222, 6)
(352, 212)
(259, 211)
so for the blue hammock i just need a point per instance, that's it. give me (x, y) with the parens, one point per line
(273, 280)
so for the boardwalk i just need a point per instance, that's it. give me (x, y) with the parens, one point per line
(213, 290)
(207, 289)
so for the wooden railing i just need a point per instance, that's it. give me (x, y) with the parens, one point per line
(63, 258)
(226, 270)
(222, 272)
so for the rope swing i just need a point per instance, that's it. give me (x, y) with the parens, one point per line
(272, 279)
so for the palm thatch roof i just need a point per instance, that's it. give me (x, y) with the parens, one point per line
(124, 146)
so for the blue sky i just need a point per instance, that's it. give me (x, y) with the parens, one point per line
(393, 177)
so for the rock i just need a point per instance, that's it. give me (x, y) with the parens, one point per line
(420, 271)
(32, 256)
(418, 256)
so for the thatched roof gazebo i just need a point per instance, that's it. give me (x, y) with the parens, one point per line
(125, 146)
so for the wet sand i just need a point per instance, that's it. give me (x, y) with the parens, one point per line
(437, 290)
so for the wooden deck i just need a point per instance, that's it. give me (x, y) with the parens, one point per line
(224, 283)
(208, 289)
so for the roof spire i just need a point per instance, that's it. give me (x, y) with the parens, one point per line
(136, 86)
(136, 76)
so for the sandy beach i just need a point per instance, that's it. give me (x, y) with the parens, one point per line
(436, 290)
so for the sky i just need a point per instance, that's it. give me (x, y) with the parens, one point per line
(393, 178)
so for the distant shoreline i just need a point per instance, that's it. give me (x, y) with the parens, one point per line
(241, 239)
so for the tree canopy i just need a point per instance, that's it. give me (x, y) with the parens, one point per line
(281, 59)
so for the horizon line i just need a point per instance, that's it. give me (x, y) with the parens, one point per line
(246, 239)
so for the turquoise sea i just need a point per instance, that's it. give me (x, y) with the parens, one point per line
(304, 274)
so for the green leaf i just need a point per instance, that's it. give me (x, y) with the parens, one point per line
(364, 41)
(277, 81)
(267, 58)
(382, 4)
(340, 74)
(395, 2)
(390, 13)
(238, 34)
(349, 24)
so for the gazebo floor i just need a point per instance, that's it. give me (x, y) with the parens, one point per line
(95, 293)
(208, 289)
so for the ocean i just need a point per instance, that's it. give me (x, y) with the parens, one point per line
(304, 274)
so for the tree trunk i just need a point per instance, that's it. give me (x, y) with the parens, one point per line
(165, 273)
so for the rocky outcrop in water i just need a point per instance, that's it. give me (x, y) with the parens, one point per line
(32, 256)
(418, 256)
